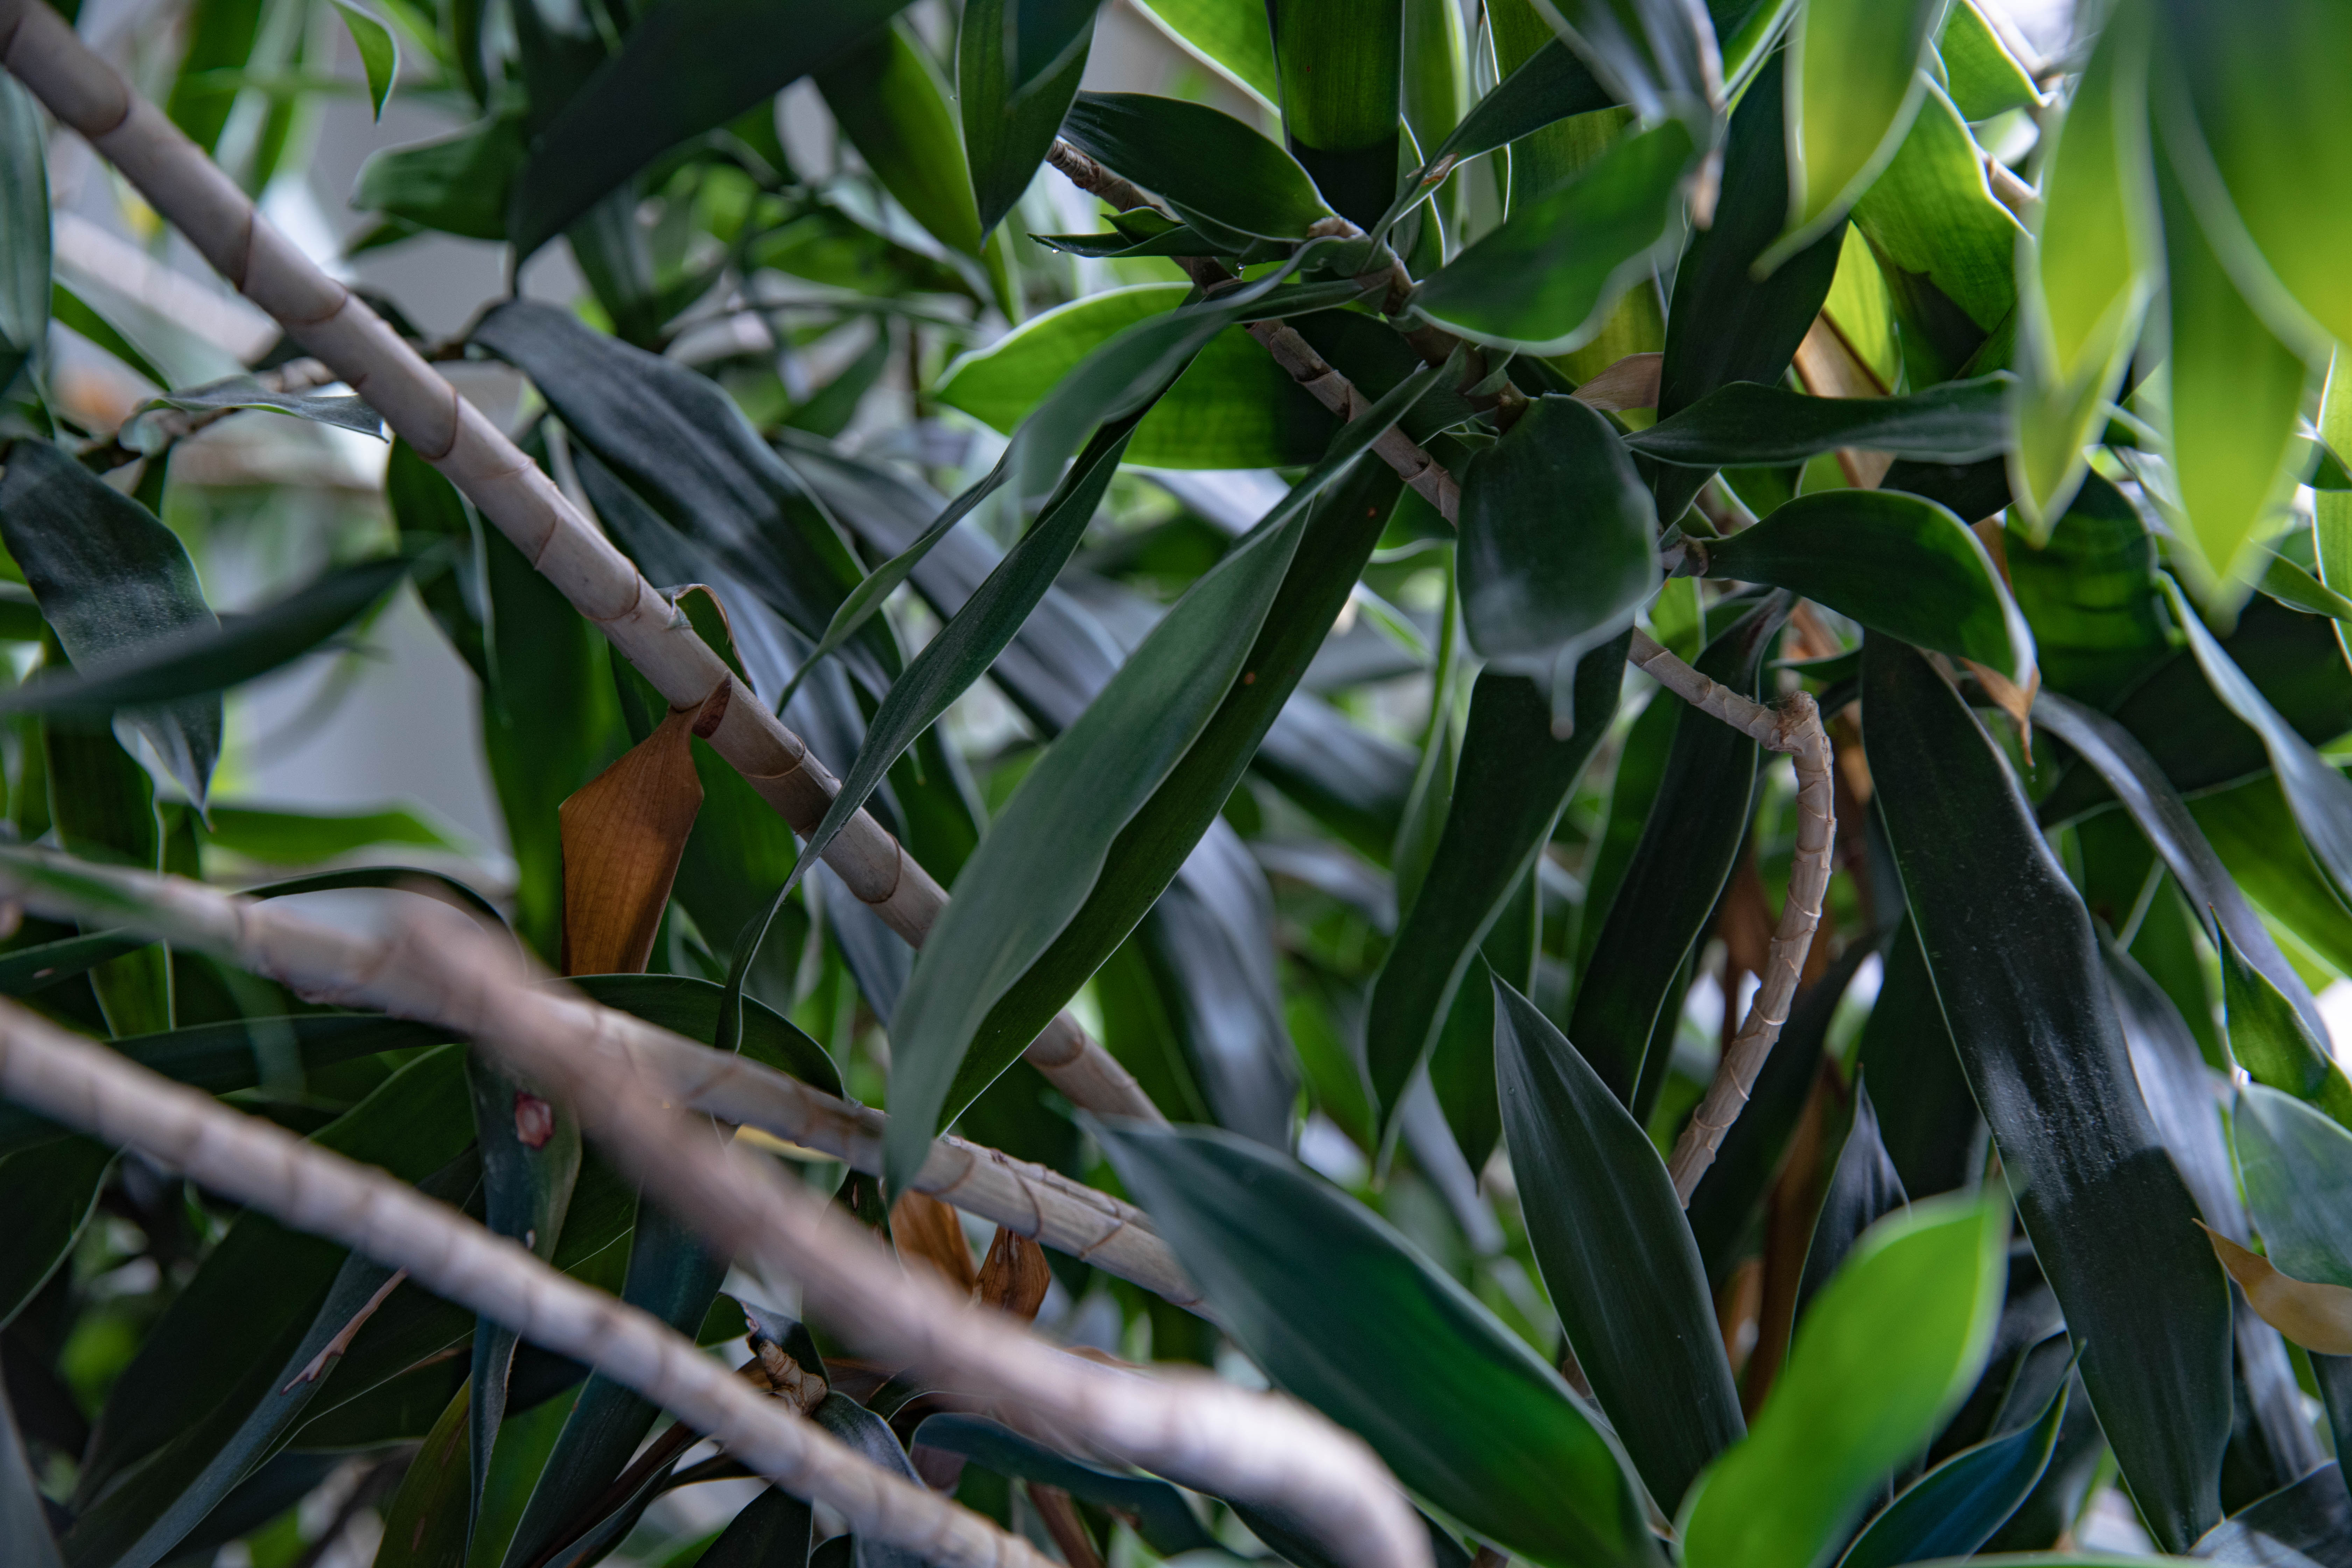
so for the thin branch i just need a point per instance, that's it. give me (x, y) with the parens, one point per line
(322, 961)
(1794, 728)
(84, 1085)
(41, 48)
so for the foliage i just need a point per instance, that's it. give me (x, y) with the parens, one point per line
(1846, 351)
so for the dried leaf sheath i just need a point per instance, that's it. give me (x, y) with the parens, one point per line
(624, 834)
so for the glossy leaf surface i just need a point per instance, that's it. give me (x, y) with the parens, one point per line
(1853, 85)
(1211, 168)
(1743, 424)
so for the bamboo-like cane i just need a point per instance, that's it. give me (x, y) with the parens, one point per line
(1195, 1428)
(1795, 728)
(324, 962)
(254, 1161)
(42, 50)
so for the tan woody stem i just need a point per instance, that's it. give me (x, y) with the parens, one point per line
(1795, 728)
(324, 962)
(41, 50)
(255, 1162)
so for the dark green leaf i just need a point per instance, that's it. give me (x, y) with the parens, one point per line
(1657, 56)
(29, 969)
(1689, 841)
(379, 52)
(1928, 1119)
(24, 1517)
(1341, 68)
(344, 413)
(456, 184)
(690, 66)
(1509, 789)
(1955, 1507)
(1726, 324)
(1330, 1301)
(1545, 280)
(887, 98)
(24, 252)
(1896, 564)
(2089, 593)
(2305, 1522)
(1162, 1516)
(197, 662)
(1009, 121)
(1046, 849)
(49, 1194)
(1617, 1259)
(1745, 424)
(1550, 86)
(1863, 1189)
(1892, 1345)
(221, 38)
(867, 1434)
(2270, 1038)
(111, 581)
(771, 1531)
(2014, 958)
(688, 1006)
(1215, 172)
(1537, 588)
(102, 807)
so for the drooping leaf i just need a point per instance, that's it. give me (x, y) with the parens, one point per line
(1215, 172)
(344, 412)
(1040, 861)
(624, 834)
(2082, 278)
(1893, 1343)
(1617, 1259)
(379, 52)
(1853, 85)
(1545, 281)
(1895, 562)
(1743, 424)
(1689, 840)
(456, 183)
(1538, 587)
(1727, 325)
(193, 664)
(2017, 966)
(1508, 788)
(1955, 1507)
(889, 99)
(1009, 119)
(1229, 35)
(111, 580)
(1500, 1444)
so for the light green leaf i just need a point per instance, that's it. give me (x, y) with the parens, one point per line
(1890, 1345)
(1853, 85)
(2273, 1040)
(2331, 510)
(1931, 215)
(2297, 1165)
(1546, 281)
(1040, 859)
(1229, 36)
(1980, 73)
(379, 52)
(891, 99)
(2084, 276)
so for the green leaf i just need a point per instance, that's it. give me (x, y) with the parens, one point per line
(1047, 33)
(50, 1192)
(2234, 394)
(1545, 280)
(1330, 1300)
(685, 1005)
(1689, 840)
(867, 1434)
(1983, 78)
(686, 67)
(1008, 127)
(345, 412)
(69, 310)
(2084, 278)
(1744, 425)
(2253, 832)
(1159, 1513)
(2297, 1165)
(102, 807)
(1539, 588)
(379, 53)
(1955, 1507)
(221, 38)
(2320, 796)
(306, 837)
(2014, 959)
(1231, 37)
(1508, 790)
(24, 1518)
(183, 668)
(1617, 1259)
(2272, 1039)
(1892, 1345)
(2088, 592)
(112, 580)
(1726, 324)
(456, 183)
(771, 1531)
(684, 447)
(2174, 834)
(1232, 407)
(1854, 83)
(1046, 849)
(1863, 1188)
(889, 99)
(1215, 172)
(1928, 1120)
(1657, 56)
(1550, 86)
(2297, 589)
(2304, 1521)
(1895, 562)
(1342, 73)
(25, 249)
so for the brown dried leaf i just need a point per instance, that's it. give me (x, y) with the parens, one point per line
(623, 835)
(2317, 1317)
(1015, 1276)
(928, 1230)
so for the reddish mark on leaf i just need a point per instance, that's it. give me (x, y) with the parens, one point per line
(534, 1120)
